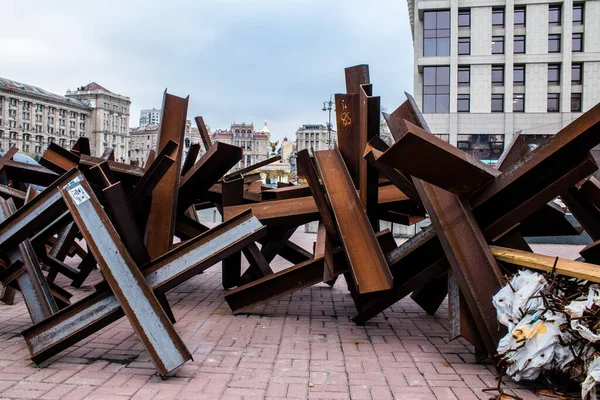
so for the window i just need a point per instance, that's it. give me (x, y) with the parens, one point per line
(464, 46)
(463, 103)
(464, 76)
(577, 13)
(436, 33)
(519, 44)
(519, 103)
(554, 15)
(483, 147)
(575, 102)
(497, 44)
(497, 102)
(497, 16)
(444, 136)
(519, 75)
(554, 43)
(577, 42)
(553, 74)
(576, 74)
(497, 75)
(553, 102)
(519, 16)
(464, 18)
(436, 89)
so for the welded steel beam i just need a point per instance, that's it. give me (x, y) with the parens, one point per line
(136, 298)
(203, 133)
(206, 172)
(365, 258)
(252, 167)
(94, 312)
(165, 194)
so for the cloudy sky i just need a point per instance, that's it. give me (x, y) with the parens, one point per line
(239, 60)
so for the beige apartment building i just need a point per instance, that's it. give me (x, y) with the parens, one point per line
(485, 70)
(315, 137)
(255, 144)
(109, 119)
(31, 118)
(143, 139)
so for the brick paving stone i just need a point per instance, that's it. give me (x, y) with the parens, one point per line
(275, 352)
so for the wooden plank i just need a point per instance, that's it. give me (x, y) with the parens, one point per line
(368, 264)
(539, 262)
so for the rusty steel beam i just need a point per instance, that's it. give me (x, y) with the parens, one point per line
(203, 133)
(30, 173)
(431, 295)
(275, 285)
(231, 267)
(258, 265)
(206, 172)
(368, 175)
(136, 298)
(35, 216)
(94, 312)
(244, 171)
(82, 146)
(163, 208)
(289, 192)
(516, 149)
(347, 111)
(59, 159)
(367, 262)
(190, 158)
(17, 195)
(310, 172)
(108, 154)
(374, 149)
(32, 283)
(454, 170)
(550, 220)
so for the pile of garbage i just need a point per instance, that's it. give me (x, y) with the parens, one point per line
(553, 326)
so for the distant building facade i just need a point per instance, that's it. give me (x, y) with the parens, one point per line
(109, 119)
(255, 144)
(150, 116)
(31, 118)
(486, 70)
(144, 139)
(314, 137)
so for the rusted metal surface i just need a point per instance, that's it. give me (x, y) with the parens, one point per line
(190, 158)
(275, 285)
(515, 150)
(252, 167)
(165, 194)
(206, 172)
(126, 281)
(59, 159)
(368, 264)
(232, 194)
(203, 133)
(368, 176)
(454, 170)
(17, 195)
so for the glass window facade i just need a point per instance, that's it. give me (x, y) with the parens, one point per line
(519, 103)
(575, 102)
(483, 147)
(554, 43)
(519, 44)
(436, 33)
(497, 102)
(497, 44)
(554, 15)
(553, 102)
(519, 16)
(498, 17)
(553, 74)
(497, 75)
(464, 46)
(463, 103)
(577, 42)
(464, 76)
(436, 89)
(576, 74)
(519, 75)
(577, 13)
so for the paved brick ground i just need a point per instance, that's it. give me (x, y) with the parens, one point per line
(302, 346)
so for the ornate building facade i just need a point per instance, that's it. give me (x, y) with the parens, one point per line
(255, 144)
(109, 119)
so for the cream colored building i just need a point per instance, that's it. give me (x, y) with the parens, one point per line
(144, 139)
(487, 69)
(315, 137)
(255, 144)
(31, 118)
(109, 120)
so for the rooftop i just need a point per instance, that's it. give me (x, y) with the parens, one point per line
(26, 89)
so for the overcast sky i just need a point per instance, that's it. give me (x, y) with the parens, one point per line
(239, 60)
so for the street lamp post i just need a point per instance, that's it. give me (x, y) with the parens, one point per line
(328, 106)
